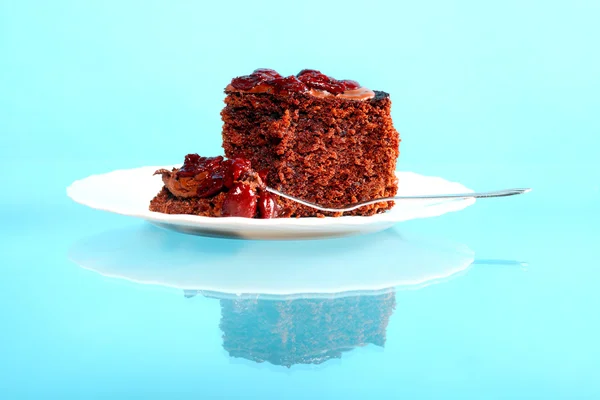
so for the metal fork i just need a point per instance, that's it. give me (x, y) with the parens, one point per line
(350, 207)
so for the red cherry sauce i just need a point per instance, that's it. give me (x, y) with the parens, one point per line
(267, 205)
(302, 82)
(236, 169)
(240, 201)
(208, 171)
(216, 175)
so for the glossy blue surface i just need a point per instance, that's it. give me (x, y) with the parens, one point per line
(491, 95)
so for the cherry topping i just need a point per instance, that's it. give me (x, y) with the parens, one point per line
(350, 84)
(190, 165)
(266, 72)
(289, 84)
(239, 167)
(240, 202)
(257, 77)
(267, 206)
(194, 164)
(317, 80)
(208, 171)
(210, 187)
(308, 72)
(235, 177)
(302, 82)
(235, 169)
(247, 82)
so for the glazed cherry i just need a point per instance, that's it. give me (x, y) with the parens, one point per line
(317, 80)
(247, 82)
(350, 84)
(302, 82)
(266, 72)
(210, 187)
(208, 171)
(190, 165)
(240, 167)
(256, 78)
(308, 72)
(235, 169)
(267, 206)
(240, 202)
(194, 165)
(287, 85)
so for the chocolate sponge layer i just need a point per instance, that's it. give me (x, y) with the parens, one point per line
(165, 202)
(329, 151)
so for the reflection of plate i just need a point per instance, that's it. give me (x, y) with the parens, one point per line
(286, 303)
(129, 192)
(383, 260)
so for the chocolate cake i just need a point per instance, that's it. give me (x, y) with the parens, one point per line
(327, 141)
(215, 187)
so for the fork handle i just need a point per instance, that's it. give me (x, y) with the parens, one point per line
(476, 195)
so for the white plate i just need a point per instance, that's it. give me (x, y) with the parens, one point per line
(129, 192)
(307, 269)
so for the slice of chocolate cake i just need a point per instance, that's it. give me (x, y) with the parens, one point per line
(215, 187)
(323, 140)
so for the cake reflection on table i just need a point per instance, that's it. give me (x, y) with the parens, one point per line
(284, 303)
(313, 330)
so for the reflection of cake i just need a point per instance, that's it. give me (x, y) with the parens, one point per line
(303, 331)
(313, 137)
(326, 141)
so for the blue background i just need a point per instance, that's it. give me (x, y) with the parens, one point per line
(491, 95)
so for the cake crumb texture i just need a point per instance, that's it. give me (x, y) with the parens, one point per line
(329, 151)
(167, 203)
